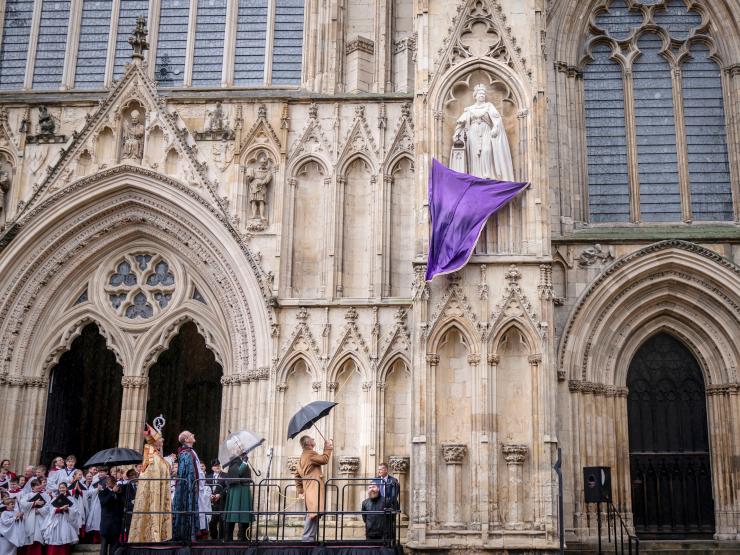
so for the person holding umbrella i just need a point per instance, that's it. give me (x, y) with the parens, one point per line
(239, 500)
(310, 483)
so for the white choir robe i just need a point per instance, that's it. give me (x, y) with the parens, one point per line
(79, 508)
(204, 506)
(57, 477)
(93, 510)
(12, 533)
(34, 517)
(60, 528)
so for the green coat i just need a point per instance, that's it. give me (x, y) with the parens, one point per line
(239, 496)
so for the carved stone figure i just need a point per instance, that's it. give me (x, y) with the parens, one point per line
(595, 255)
(47, 126)
(258, 181)
(216, 119)
(480, 145)
(133, 137)
(5, 180)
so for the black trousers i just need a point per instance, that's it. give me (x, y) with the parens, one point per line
(108, 544)
(244, 532)
(216, 527)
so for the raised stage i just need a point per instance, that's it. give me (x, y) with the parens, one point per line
(257, 548)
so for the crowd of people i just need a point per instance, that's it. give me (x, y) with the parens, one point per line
(158, 500)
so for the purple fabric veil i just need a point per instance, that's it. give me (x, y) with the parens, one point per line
(459, 205)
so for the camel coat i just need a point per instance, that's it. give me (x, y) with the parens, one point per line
(310, 467)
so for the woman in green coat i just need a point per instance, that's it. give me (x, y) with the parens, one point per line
(239, 500)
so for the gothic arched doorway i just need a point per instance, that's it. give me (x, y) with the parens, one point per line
(84, 404)
(185, 386)
(669, 442)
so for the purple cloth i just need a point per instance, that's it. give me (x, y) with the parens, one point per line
(459, 205)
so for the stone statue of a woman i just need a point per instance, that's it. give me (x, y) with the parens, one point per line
(481, 136)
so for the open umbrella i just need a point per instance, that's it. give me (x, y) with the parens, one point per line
(237, 445)
(308, 416)
(114, 456)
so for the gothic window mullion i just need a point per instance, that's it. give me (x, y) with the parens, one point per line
(631, 129)
(681, 146)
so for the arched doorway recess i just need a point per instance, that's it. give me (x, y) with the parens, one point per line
(84, 401)
(185, 386)
(670, 467)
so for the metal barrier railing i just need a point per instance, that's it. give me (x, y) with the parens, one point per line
(272, 508)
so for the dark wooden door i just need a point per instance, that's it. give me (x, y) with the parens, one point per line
(83, 410)
(669, 444)
(185, 387)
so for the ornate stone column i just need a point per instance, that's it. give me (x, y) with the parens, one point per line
(399, 466)
(133, 411)
(348, 467)
(454, 454)
(514, 455)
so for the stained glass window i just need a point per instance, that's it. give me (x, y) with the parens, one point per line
(288, 42)
(17, 30)
(172, 42)
(209, 43)
(93, 48)
(51, 46)
(251, 33)
(130, 10)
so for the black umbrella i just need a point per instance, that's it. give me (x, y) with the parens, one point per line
(308, 416)
(113, 457)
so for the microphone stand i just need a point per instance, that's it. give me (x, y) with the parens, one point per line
(267, 499)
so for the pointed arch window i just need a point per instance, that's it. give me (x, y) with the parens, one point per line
(656, 137)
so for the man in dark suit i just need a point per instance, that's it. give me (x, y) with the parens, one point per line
(389, 487)
(111, 516)
(217, 482)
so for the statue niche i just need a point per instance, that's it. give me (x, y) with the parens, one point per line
(480, 127)
(132, 145)
(6, 179)
(480, 144)
(258, 177)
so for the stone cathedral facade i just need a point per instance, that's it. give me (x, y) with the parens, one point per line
(217, 210)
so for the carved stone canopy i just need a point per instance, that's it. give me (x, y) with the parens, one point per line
(349, 465)
(454, 453)
(399, 464)
(514, 453)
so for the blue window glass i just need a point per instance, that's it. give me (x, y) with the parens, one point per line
(93, 49)
(17, 30)
(172, 42)
(657, 157)
(706, 137)
(130, 10)
(619, 21)
(52, 44)
(287, 47)
(249, 51)
(208, 56)
(606, 143)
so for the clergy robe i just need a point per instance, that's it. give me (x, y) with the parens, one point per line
(185, 503)
(12, 532)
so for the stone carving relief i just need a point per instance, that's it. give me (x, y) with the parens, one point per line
(133, 136)
(258, 179)
(595, 255)
(454, 453)
(217, 126)
(6, 180)
(480, 30)
(349, 465)
(46, 129)
(399, 464)
(313, 137)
